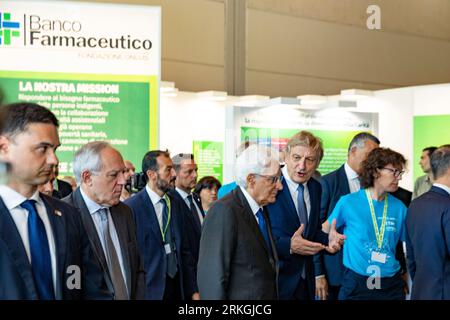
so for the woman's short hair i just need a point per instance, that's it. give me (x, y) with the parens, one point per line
(207, 182)
(379, 158)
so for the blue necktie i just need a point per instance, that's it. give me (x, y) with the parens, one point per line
(302, 214)
(41, 263)
(263, 229)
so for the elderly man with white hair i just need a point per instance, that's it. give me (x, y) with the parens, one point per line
(238, 258)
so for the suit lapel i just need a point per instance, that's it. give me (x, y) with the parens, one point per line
(313, 200)
(11, 237)
(89, 225)
(343, 181)
(286, 197)
(58, 225)
(249, 217)
(149, 211)
(121, 229)
(191, 217)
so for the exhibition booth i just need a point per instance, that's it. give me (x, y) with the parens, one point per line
(104, 83)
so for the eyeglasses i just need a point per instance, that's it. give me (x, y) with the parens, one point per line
(271, 179)
(397, 173)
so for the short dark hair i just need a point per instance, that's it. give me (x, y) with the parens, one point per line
(359, 140)
(440, 161)
(178, 158)
(378, 158)
(17, 117)
(429, 150)
(207, 182)
(150, 161)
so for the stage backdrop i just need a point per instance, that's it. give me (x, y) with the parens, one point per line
(96, 66)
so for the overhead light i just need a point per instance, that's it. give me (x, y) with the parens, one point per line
(168, 89)
(355, 94)
(213, 95)
(281, 101)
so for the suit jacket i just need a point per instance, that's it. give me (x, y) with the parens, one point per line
(126, 233)
(428, 245)
(334, 186)
(152, 246)
(72, 249)
(285, 221)
(234, 263)
(191, 227)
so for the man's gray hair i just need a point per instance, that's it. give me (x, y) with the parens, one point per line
(255, 159)
(440, 161)
(88, 158)
(360, 139)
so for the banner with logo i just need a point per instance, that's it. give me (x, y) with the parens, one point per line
(96, 66)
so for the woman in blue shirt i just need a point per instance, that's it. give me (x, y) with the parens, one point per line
(374, 222)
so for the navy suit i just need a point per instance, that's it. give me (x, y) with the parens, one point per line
(285, 221)
(72, 249)
(428, 245)
(191, 227)
(152, 247)
(334, 186)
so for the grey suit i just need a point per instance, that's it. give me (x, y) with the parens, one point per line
(234, 263)
(126, 232)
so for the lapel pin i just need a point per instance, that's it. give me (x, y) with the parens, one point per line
(58, 213)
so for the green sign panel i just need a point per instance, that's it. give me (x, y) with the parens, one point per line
(118, 109)
(209, 158)
(429, 131)
(335, 143)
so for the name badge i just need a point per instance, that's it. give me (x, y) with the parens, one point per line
(167, 248)
(378, 257)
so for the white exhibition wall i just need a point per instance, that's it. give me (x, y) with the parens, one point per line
(185, 117)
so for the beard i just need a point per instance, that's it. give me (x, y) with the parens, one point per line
(163, 185)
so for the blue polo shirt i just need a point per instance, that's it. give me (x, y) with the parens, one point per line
(353, 213)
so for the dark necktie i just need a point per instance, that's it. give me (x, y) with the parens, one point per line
(120, 289)
(41, 263)
(264, 230)
(171, 268)
(302, 214)
(194, 211)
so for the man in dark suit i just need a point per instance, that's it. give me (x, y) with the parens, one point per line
(238, 258)
(44, 251)
(428, 234)
(186, 179)
(99, 169)
(168, 262)
(295, 218)
(329, 269)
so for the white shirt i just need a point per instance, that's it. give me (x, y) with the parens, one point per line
(293, 186)
(185, 196)
(93, 208)
(12, 200)
(442, 186)
(352, 178)
(254, 206)
(155, 199)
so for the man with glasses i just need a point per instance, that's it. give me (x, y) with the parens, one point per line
(238, 258)
(295, 218)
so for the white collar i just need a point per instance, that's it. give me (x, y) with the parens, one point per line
(154, 197)
(442, 186)
(92, 206)
(349, 172)
(182, 193)
(13, 199)
(252, 203)
(292, 184)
